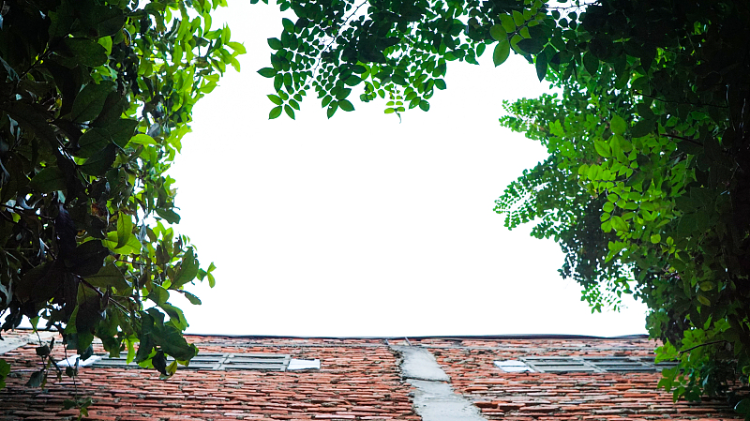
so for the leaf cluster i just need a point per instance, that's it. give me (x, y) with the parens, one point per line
(650, 129)
(95, 97)
(646, 187)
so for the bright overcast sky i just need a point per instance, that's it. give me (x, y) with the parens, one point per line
(364, 226)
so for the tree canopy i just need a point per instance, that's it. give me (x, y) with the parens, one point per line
(646, 187)
(95, 97)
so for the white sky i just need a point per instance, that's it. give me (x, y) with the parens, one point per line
(364, 226)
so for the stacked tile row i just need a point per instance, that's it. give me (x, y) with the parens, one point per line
(568, 396)
(357, 381)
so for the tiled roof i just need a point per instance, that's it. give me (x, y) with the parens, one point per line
(359, 379)
(570, 396)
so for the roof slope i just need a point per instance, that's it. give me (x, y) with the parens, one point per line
(571, 396)
(359, 379)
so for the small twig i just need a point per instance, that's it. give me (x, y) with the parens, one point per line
(75, 374)
(18, 210)
(699, 104)
(117, 303)
(682, 138)
(705, 344)
(101, 294)
(37, 61)
(346, 20)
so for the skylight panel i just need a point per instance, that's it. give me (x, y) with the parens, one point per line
(582, 364)
(512, 366)
(219, 361)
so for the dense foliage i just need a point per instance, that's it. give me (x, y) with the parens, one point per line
(95, 97)
(646, 186)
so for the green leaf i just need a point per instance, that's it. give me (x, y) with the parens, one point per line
(343, 93)
(237, 47)
(288, 25)
(278, 81)
(158, 295)
(211, 280)
(275, 112)
(96, 139)
(267, 72)
(642, 128)
(42, 351)
(4, 371)
(655, 238)
(124, 229)
(501, 53)
(743, 407)
(175, 344)
(332, 109)
(346, 105)
(85, 51)
(440, 83)
(353, 80)
(530, 46)
(275, 99)
(192, 298)
(518, 18)
(289, 111)
(498, 33)
(618, 125)
(108, 276)
(106, 20)
(541, 66)
(88, 258)
(591, 63)
(707, 286)
(619, 224)
(91, 142)
(602, 148)
(90, 101)
(4, 368)
(424, 105)
(275, 44)
(143, 139)
(508, 23)
(188, 269)
(703, 300)
(106, 42)
(133, 246)
(169, 215)
(100, 162)
(37, 378)
(121, 130)
(48, 180)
